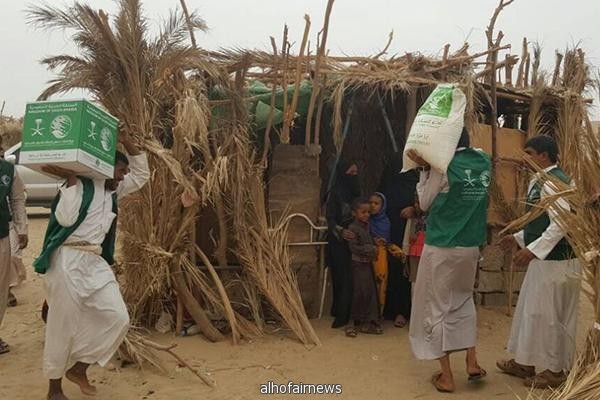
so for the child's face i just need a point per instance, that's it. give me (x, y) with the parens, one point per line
(376, 203)
(362, 213)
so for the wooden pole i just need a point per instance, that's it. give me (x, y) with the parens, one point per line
(179, 317)
(285, 53)
(267, 138)
(319, 116)
(291, 111)
(527, 67)
(508, 71)
(522, 64)
(191, 304)
(189, 22)
(316, 90)
(494, 115)
(169, 349)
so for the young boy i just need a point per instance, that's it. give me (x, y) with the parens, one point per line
(364, 252)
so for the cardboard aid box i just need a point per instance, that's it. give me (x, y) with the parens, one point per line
(76, 135)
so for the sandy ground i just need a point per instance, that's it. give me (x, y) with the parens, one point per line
(368, 367)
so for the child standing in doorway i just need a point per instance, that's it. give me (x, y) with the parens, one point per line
(364, 252)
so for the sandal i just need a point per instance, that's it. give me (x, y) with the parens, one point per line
(545, 380)
(351, 332)
(435, 381)
(371, 329)
(4, 348)
(511, 367)
(477, 376)
(400, 321)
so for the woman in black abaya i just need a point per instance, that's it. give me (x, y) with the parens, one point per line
(345, 189)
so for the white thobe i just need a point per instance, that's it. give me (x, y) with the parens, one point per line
(443, 317)
(87, 318)
(544, 326)
(19, 222)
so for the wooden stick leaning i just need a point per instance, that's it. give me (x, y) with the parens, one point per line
(169, 349)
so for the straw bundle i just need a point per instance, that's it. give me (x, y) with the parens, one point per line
(261, 249)
(158, 87)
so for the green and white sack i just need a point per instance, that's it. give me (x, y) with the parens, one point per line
(437, 128)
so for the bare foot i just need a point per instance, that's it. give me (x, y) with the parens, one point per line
(81, 380)
(443, 383)
(57, 396)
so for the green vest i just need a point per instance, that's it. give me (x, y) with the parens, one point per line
(7, 173)
(458, 218)
(535, 229)
(57, 234)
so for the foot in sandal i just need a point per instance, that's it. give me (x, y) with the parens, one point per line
(372, 328)
(351, 331)
(511, 367)
(546, 380)
(476, 374)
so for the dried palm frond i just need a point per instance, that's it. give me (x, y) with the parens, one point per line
(262, 249)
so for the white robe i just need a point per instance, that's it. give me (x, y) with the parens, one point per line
(19, 222)
(443, 317)
(87, 318)
(544, 326)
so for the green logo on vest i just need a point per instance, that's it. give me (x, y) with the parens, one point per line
(5, 180)
(485, 178)
(469, 181)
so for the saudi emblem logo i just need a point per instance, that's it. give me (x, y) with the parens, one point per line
(469, 181)
(106, 139)
(61, 126)
(5, 180)
(485, 178)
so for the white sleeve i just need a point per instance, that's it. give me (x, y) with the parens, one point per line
(138, 175)
(17, 204)
(553, 233)
(67, 209)
(431, 183)
(520, 238)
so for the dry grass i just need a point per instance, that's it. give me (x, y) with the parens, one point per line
(10, 132)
